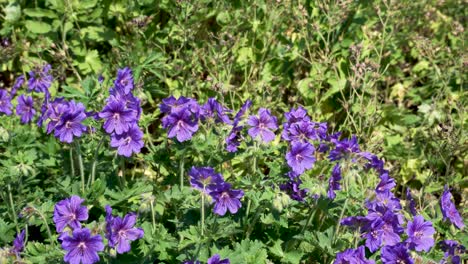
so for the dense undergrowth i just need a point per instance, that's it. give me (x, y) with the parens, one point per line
(262, 131)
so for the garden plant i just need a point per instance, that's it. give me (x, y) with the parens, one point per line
(216, 131)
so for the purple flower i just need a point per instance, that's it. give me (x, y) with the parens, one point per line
(124, 80)
(131, 102)
(353, 256)
(173, 105)
(214, 110)
(191, 262)
(216, 259)
(386, 183)
(397, 254)
(373, 234)
(449, 211)
(123, 231)
(18, 83)
(18, 243)
(374, 162)
(5, 102)
(25, 108)
(82, 247)
(117, 118)
(410, 202)
(354, 221)
(128, 142)
(420, 234)
(109, 220)
(343, 148)
(181, 125)
(53, 111)
(204, 178)
(69, 212)
(292, 188)
(234, 139)
(226, 199)
(264, 124)
(334, 182)
(451, 249)
(296, 115)
(300, 157)
(70, 124)
(40, 80)
(300, 131)
(240, 114)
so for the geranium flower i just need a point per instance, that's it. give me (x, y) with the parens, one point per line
(69, 212)
(82, 247)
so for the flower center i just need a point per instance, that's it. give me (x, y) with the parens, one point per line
(299, 157)
(82, 245)
(128, 140)
(418, 234)
(261, 126)
(116, 116)
(224, 195)
(68, 124)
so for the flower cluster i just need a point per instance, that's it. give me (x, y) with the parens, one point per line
(64, 118)
(121, 115)
(181, 117)
(208, 181)
(384, 226)
(81, 244)
(300, 133)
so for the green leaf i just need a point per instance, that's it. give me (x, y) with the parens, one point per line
(37, 27)
(39, 12)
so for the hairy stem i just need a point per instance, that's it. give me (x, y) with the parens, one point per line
(80, 164)
(202, 208)
(12, 205)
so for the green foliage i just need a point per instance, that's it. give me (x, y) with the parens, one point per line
(391, 72)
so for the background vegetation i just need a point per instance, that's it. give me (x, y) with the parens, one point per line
(391, 72)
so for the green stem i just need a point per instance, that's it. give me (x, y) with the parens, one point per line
(202, 208)
(10, 196)
(153, 216)
(93, 165)
(312, 212)
(181, 172)
(338, 225)
(122, 169)
(47, 227)
(72, 164)
(80, 164)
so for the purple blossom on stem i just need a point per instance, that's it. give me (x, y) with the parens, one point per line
(234, 139)
(214, 110)
(53, 111)
(18, 83)
(5, 102)
(300, 157)
(70, 124)
(449, 211)
(386, 183)
(40, 80)
(353, 256)
(300, 131)
(18, 243)
(263, 125)
(216, 259)
(226, 199)
(292, 188)
(420, 234)
(410, 202)
(240, 114)
(343, 148)
(204, 178)
(451, 248)
(129, 142)
(25, 108)
(181, 125)
(172, 105)
(82, 247)
(123, 232)
(69, 212)
(334, 182)
(396, 254)
(124, 80)
(117, 118)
